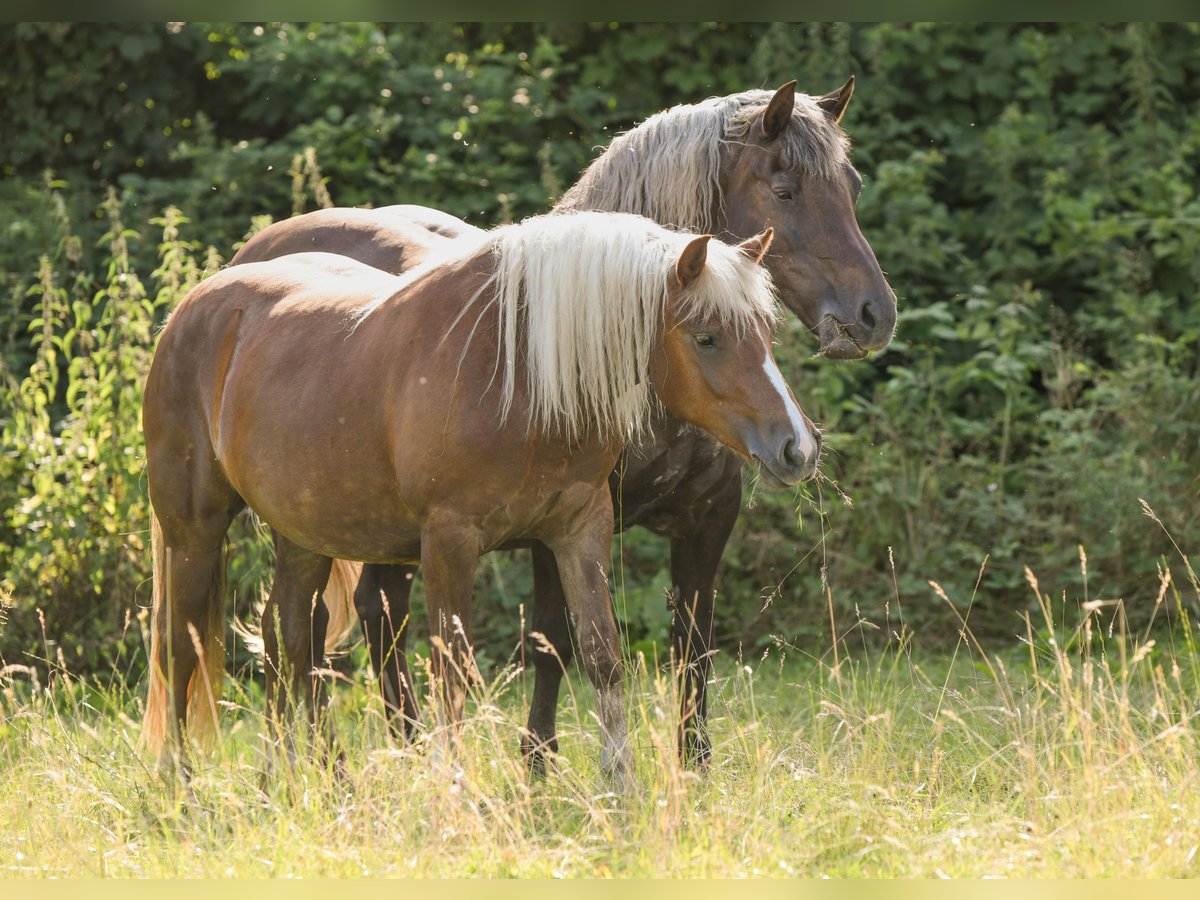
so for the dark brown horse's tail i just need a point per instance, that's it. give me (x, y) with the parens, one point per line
(206, 682)
(339, 601)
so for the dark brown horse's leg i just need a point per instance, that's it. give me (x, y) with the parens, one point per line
(583, 560)
(694, 561)
(449, 555)
(294, 622)
(551, 655)
(381, 599)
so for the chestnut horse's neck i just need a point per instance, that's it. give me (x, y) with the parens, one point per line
(579, 301)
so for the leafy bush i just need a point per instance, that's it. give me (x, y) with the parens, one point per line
(1030, 189)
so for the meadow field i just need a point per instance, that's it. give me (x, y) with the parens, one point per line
(1066, 753)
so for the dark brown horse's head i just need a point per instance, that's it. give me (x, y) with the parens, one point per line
(790, 170)
(719, 374)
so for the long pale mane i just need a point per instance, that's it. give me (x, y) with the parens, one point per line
(581, 299)
(668, 168)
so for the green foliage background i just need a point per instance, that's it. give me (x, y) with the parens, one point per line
(1030, 190)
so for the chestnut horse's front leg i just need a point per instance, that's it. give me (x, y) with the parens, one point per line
(449, 555)
(583, 557)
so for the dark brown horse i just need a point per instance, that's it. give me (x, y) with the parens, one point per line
(731, 165)
(476, 403)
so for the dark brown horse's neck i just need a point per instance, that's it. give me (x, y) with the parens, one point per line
(718, 223)
(663, 479)
(715, 224)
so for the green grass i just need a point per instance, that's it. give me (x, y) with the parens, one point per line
(1070, 754)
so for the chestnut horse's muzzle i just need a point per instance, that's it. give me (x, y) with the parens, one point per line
(787, 457)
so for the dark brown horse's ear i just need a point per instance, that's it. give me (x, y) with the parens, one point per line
(756, 247)
(691, 261)
(779, 111)
(835, 102)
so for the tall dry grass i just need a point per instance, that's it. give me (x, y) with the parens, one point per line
(1070, 752)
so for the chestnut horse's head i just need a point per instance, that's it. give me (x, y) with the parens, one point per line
(714, 366)
(596, 309)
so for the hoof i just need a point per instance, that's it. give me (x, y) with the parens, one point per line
(538, 755)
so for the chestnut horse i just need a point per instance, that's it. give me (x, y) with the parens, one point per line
(475, 403)
(732, 166)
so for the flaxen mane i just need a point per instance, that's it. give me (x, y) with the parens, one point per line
(581, 299)
(668, 167)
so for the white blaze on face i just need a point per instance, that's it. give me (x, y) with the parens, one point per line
(805, 444)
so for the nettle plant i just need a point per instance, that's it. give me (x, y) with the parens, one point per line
(74, 511)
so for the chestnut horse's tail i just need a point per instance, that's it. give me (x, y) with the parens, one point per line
(206, 682)
(339, 601)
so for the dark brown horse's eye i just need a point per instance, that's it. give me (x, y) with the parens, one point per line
(783, 195)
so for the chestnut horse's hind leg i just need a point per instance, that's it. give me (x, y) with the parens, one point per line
(293, 630)
(551, 652)
(381, 599)
(449, 555)
(195, 582)
(193, 506)
(582, 564)
(694, 561)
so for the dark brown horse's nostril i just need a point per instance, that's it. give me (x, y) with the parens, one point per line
(866, 316)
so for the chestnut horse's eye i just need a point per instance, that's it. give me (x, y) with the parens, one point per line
(704, 339)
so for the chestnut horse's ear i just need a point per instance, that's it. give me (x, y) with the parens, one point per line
(756, 247)
(691, 261)
(835, 102)
(779, 111)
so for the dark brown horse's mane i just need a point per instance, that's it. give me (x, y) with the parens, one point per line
(667, 168)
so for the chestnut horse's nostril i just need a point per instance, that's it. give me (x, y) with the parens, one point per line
(866, 316)
(793, 455)
(798, 457)
(789, 453)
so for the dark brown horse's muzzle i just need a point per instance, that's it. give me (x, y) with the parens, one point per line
(872, 326)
